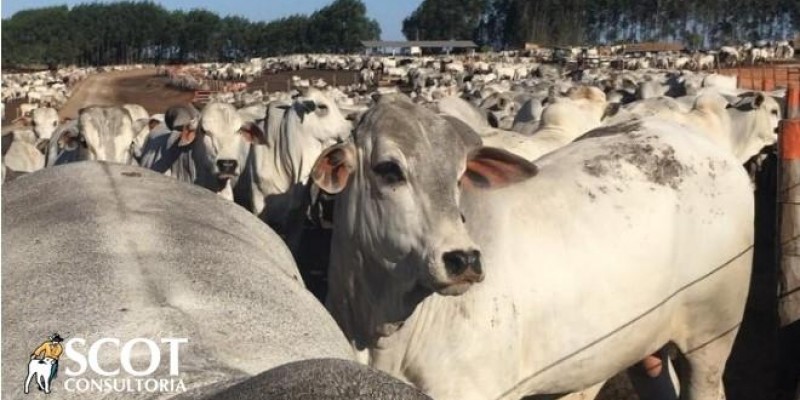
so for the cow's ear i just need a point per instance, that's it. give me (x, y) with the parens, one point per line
(492, 168)
(252, 133)
(187, 137)
(333, 168)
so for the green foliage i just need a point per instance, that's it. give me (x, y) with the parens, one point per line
(444, 19)
(511, 23)
(143, 31)
(336, 30)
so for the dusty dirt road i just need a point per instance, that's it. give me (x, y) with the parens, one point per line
(142, 87)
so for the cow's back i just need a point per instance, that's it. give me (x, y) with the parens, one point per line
(331, 379)
(614, 236)
(93, 250)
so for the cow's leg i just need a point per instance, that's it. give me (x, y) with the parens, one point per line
(46, 382)
(706, 365)
(28, 381)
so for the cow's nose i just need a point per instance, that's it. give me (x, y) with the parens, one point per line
(227, 167)
(465, 265)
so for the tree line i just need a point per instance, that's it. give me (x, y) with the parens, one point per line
(506, 24)
(137, 32)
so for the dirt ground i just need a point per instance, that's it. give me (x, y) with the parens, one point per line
(142, 87)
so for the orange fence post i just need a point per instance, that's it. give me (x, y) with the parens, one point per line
(793, 101)
(790, 139)
(768, 85)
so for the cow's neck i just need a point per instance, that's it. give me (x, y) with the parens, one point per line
(293, 155)
(368, 296)
(744, 125)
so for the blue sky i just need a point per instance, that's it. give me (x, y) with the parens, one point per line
(389, 13)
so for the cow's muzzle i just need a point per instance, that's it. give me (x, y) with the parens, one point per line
(463, 266)
(227, 168)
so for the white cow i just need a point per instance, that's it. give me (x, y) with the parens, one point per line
(480, 294)
(209, 149)
(102, 133)
(41, 370)
(562, 122)
(44, 122)
(459, 108)
(20, 156)
(279, 166)
(729, 56)
(754, 124)
(743, 127)
(528, 117)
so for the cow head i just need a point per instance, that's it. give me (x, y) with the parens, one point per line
(102, 133)
(220, 144)
(399, 187)
(319, 116)
(755, 118)
(45, 122)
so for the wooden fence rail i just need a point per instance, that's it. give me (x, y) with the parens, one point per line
(764, 78)
(202, 96)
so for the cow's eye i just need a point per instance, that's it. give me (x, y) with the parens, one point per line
(389, 172)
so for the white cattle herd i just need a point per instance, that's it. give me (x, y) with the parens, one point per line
(502, 229)
(46, 88)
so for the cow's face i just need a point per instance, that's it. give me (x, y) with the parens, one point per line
(45, 122)
(402, 181)
(759, 117)
(320, 117)
(102, 134)
(221, 142)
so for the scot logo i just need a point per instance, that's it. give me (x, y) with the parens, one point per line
(86, 374)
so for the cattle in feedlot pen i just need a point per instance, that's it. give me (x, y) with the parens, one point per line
(475, 274)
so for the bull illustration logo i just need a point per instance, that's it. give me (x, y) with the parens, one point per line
(43, 363)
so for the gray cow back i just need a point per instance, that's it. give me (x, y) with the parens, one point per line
(330, 379)
(119, 251)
